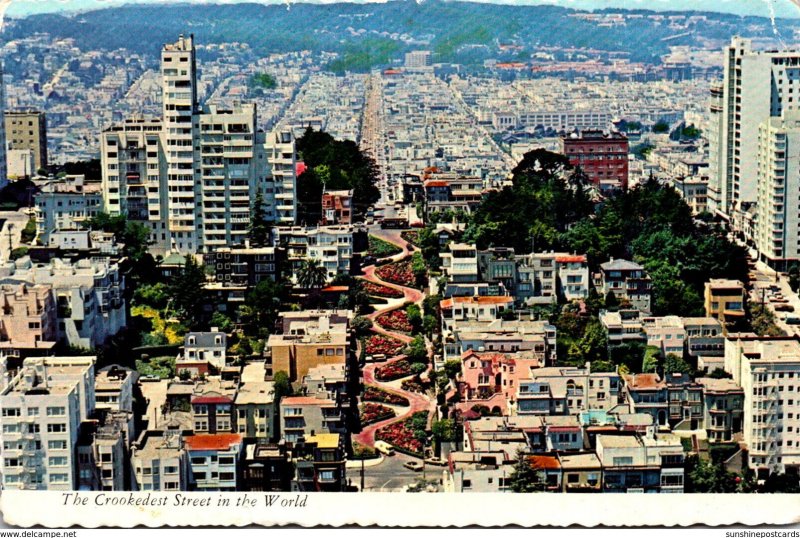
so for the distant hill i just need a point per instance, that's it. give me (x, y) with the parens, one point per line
(371, 33)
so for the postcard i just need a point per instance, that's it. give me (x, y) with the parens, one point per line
(435, 263)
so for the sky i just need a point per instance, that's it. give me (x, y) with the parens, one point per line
(764, 8)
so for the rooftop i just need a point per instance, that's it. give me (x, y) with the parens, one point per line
(324, 440)
(220, 441)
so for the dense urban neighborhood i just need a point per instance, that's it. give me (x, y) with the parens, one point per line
(437, 266)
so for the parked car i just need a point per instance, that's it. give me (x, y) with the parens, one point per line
(384, 448)
(793, 321)
(435, 461)
(783, 307)
(413, 465)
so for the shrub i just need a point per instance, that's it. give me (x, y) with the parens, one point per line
(382, 249)
(408, 435)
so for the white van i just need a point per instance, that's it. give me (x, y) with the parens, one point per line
(384, 448)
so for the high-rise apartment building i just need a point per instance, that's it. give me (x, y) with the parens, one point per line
(26, 130)
(193, 175)
(42, 409)
(768, 370)
(417, 58)
(3, 169)
(756, 86)
(777, 223)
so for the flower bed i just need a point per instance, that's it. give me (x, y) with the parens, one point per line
(397, 273)
(370, 413)
(415, 385)
(377, 394)
(406, 436)
(392, 371)
(382, 249)
(364, 452)
(384, 345)
(381, 291)
(396, 320)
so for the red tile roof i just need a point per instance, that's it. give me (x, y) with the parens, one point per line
(544, 462)
(437, 183)
(571, 259)
(332, 289)
(220, 441)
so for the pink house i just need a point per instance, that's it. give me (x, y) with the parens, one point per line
(493, 378)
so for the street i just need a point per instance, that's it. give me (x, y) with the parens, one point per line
(390, 475)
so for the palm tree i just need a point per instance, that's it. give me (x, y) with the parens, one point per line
(311, 275)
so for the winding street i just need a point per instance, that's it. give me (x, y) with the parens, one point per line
(417, 401)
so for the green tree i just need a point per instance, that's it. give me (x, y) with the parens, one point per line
(416, 351)
(221, 321)
(719, 373)
(661, 126)
(258, 230)
(612, 303)
(361, 326)
(414, 314)
(418, 368)
(525, 478)
(283, 386)
(794, 277)
(452, 368)
(312, 275)
(673, 364)
(187, 293)
(444, 430)
(651, 359)
(260, 310)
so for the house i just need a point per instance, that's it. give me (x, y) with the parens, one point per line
(302, 416)
(581, 473)
(160, 462)
(266, 467)
(647, 393)
(628, 281)
(479, 472)
(567, 390)
(641, 464)
(723, 408)
(209, 347)
(320, 463)
(482, 308)
(214, 460)
(460, 263)
(623, 327)
(337, 207)
(255, 404)
(309, 339)
(725, 299)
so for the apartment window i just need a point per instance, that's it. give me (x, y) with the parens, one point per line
(11, 412)
(59, 478)
(58, 461)
(170, 470)
(33, 411)
(198, 461)
(56, 411)
(170, 485)
(573, 478)
(226, 476)
(622, 460)
(56, 445)
(13, 462)
(226, 460)
(56, 428)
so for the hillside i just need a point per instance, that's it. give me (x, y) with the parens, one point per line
(455, 31)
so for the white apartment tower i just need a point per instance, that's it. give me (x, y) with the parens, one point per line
(3, 161)
(134, 176)
(192, 175)
(283, 160)
(768, 370)
(42, 409)
(755, 87)
(179, 96)
(777, 223)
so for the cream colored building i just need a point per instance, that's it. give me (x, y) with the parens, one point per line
(768, 370)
